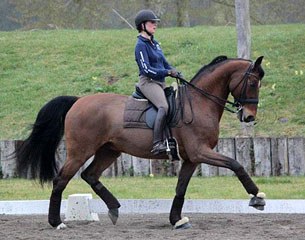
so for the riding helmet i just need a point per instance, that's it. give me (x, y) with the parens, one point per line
(144, 16)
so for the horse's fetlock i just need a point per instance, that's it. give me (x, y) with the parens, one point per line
(54, 222)
(173, 220)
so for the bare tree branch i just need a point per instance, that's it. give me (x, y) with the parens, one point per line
(122, 18)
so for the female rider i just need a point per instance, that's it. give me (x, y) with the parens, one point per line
(153, 68)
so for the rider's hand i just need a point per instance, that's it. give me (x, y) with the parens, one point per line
(173, 73)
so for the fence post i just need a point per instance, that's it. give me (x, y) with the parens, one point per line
(296, 154)
(125, 165)
(244, 153)
(226, 146)
(208, 170)
(140, 166)
(279, 156)
(7, 160)
(262, 156)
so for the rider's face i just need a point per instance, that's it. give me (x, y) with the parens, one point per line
(151, 26)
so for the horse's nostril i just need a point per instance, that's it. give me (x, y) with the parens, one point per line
(249, 118)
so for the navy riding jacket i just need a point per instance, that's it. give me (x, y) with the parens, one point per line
(151, 60)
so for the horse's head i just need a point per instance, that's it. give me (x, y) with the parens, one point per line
(244, 87)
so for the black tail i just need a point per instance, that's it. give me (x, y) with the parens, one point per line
(36, 155)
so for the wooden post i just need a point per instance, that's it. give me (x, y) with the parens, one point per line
(208, 170)
(244, 153)
(262, 156)
(157, 168)
(110, 171)
(279, 156)
(175, 168)
(296, 155)
(140, 166)
(226, 146)
(126, 165)
(7, 160)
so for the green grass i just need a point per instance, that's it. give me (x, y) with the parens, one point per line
(161, 188)
(36, 66)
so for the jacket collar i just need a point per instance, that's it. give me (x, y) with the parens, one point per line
(146, 39)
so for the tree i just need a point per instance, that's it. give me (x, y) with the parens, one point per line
(243, 28)
(243, 43)
(183, 19)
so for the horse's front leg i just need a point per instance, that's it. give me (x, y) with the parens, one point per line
(185, 174)
(216, 159)
(257, 201)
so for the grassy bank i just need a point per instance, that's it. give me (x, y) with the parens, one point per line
(36, 66)
(162, 187)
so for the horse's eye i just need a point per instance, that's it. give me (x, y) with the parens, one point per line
(254, 84)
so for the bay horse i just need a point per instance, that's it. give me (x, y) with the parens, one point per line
(93, 125)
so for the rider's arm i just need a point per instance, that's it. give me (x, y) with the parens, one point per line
(145, 67)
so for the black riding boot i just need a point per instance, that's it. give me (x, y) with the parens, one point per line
(158, 143)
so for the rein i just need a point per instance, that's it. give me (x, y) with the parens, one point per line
(222, 102)
(212, 97)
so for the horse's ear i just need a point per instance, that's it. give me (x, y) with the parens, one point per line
(258, 61)
(257, 66)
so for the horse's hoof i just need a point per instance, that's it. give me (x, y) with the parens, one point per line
(182, 224)
(61, 226)
(258, 201)
(113, 214)
(261, 208)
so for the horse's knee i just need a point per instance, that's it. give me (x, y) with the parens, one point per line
(236, 166)
(238, 169)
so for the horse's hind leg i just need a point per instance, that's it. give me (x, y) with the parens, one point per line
(104, 157)
(71, 166)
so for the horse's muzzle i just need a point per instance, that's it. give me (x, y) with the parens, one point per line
(246, 116)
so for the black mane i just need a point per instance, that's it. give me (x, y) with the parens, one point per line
(215, 61)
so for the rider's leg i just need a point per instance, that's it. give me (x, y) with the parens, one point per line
(158, 142)
(154, 92)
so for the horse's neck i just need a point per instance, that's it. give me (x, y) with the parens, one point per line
(215, 83)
